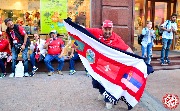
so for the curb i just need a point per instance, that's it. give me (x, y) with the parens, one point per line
(151, 103)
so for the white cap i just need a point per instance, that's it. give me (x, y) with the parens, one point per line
(53, 31)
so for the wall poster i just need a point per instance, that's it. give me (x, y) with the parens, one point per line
(52, 14)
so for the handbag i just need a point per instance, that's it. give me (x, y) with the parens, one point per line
(37, 57)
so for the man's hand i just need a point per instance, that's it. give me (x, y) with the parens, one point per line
(46, 45)
(60, 56)
(22, 47)
(151, 33)
(169, 30)
(173, 30)
(34, 42)
(72, 55)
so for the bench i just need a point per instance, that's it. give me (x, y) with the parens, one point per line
(42, 67)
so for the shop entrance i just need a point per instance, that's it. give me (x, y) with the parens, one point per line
(158, 11)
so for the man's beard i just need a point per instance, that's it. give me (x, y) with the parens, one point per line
(107, 35)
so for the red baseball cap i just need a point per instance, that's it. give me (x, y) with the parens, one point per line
(107, 23)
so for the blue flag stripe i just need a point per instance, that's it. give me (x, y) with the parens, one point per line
(133, 81)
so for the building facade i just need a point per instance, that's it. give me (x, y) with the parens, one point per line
(128, 16)
(157, 11)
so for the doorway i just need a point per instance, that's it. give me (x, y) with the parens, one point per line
(158, 11)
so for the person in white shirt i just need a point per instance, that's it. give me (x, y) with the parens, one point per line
(38, 52)
(169, 27)
(147, 41)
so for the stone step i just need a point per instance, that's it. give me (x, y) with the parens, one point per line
(175, 57)
(167, 67)
(157, 62)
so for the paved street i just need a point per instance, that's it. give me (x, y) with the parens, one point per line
(75, 93)
(164, 82)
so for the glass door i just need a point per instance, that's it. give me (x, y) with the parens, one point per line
(158, 11)
(160, 17)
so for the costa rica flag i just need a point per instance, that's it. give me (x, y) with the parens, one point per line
(122, 74)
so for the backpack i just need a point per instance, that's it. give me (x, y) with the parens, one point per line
(160, 31)
(140, 37)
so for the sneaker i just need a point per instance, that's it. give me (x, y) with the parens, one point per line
(1, 75)
(60, 72)
(87, 74)
(5, 74)
(71, 72)
(100, 97)
(167, 61)
(50, 73)
(163, 64)
(31, 74)
(11, 75)
(26, 74)
(108, 105)
(34, 69)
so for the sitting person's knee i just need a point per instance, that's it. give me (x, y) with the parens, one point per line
(46, 60)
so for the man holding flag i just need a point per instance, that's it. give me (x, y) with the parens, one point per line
(116, 71)
(110, 38)
(107, 36)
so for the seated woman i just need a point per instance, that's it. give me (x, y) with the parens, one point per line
(38, 52)
(74, 57)
(4, 51)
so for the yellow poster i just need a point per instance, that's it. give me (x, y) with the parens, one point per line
(52, 14)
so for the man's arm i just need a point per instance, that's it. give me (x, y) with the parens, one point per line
(169, 30)
(62, 52)
(72, 52)
(9, 42)
(164, 26)
(62, 47)
(23, 33)
(46, 45)
(25, 40)
(3, 46)
(174, 29)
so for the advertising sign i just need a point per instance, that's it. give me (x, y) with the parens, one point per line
(52, 14)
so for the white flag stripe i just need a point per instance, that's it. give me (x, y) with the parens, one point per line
(113, 89)
(114, 54)
(129, 85)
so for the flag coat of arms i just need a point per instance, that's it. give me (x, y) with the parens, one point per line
(122, 74)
